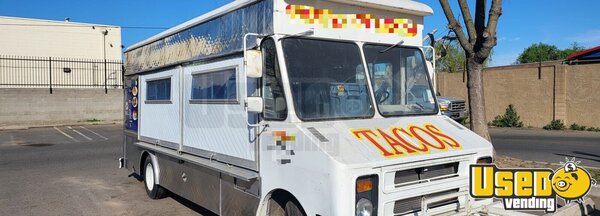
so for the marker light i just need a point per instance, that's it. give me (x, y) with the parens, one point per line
(366, 195)
(364, 185)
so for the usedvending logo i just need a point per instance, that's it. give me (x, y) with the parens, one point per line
(531, 189)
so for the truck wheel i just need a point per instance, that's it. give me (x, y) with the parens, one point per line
(285, 206)
(153, 190)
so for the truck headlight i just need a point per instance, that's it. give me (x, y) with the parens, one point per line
(443, 108)
(364, 207)
(444, 105)
(366, 195)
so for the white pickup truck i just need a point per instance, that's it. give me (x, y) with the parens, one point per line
(453, 107)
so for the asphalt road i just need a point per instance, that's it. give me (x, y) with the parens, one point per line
(548, 146)
(74, 171)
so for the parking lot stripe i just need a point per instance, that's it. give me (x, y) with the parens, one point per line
(67, 135)
(97, 134)
(83, 135)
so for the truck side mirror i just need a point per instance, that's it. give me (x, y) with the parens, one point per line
(254, 105)
(254, 63)
(429, 53)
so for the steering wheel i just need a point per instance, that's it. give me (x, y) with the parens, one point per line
(382, 94)
(417, 107)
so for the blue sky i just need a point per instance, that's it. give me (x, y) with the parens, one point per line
(523, 23)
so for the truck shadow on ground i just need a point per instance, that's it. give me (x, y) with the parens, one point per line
(195, 207)
(183, 201)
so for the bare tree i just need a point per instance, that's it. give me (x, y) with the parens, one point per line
(478, 44)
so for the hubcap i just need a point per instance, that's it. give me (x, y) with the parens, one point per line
(149, 177)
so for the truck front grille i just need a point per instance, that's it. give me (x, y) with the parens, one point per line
(457, 106)
(425, 174)
(413, 205)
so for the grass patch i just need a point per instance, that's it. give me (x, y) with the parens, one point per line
(594, 129)
(555, 125)
(577, 127)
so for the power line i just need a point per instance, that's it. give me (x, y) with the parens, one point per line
(69, 25)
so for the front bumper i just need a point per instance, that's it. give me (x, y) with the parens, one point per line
(456, 115)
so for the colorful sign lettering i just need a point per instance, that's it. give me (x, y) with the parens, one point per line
(399, 141)
(326, 18)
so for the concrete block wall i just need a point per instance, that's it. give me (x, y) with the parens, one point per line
(556, 91)
(37, 107)
(583, 95)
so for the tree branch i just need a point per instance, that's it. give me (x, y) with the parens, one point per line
(490, 31)
(455, 26)
(464, 9)
(480, 17)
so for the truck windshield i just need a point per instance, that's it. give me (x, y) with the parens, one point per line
(400, 80)
(327, 79)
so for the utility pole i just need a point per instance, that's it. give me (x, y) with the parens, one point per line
(104, 33)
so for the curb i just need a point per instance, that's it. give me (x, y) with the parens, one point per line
(575, 208)
(553, 164)
(6, 128)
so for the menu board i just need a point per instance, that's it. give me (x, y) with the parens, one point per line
(131, 103)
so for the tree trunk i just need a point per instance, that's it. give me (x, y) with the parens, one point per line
(476, 98)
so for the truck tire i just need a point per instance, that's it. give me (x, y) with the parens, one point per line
(153, 190)
(284, 206)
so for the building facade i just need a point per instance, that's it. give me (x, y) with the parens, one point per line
(59, 72)
(51, 54)
(48, 38)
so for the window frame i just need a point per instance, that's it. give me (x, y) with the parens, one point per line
(280, 79)
(429, 80)
(370, 96)
(235, 69)
(170, 100)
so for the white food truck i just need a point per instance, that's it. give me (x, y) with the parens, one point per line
(297, 107)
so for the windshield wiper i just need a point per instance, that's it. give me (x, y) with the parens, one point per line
(392, 46)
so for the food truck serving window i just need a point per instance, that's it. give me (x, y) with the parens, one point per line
(158, 90)
(400, 80)
(216, 86)
(325, 81)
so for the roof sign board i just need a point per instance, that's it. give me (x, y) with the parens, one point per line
(219, 36)
(220, 32)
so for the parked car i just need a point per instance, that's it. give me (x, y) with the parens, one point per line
(453, 107)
